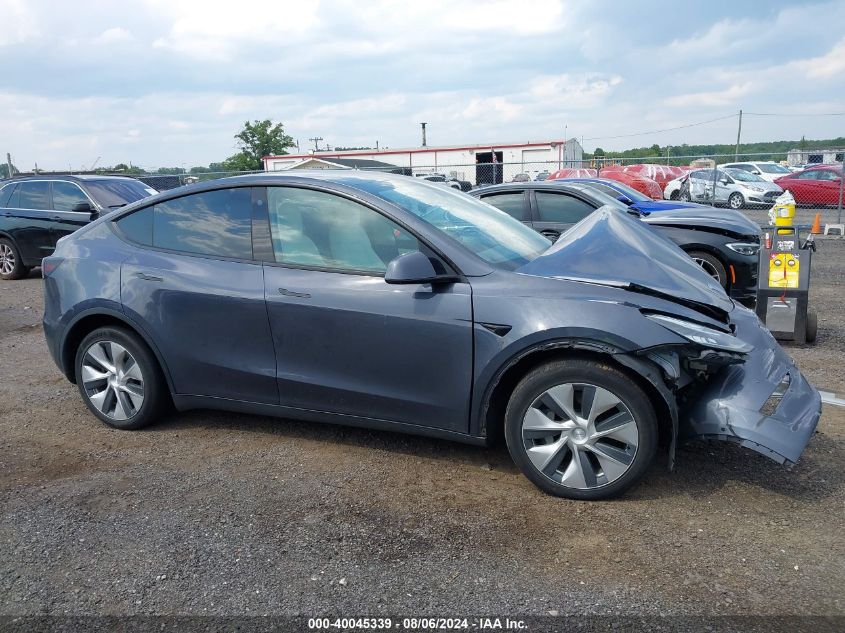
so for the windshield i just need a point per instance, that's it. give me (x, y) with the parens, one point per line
(743, 176)
(601, 197)
(770, 168)
(630, 192)
(116, 193)
(491, 234)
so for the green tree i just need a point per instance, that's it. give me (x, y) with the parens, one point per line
(4, 170)
(256, 140)
(599, 153)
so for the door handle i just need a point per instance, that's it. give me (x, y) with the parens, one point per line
(290, 293)
(147, 277)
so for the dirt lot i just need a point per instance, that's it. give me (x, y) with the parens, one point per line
(214, 513)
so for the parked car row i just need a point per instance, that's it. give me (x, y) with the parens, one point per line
(723, 243)
(385, 301)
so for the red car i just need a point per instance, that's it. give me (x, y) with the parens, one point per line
(816, 185)
(572, 172)
(661, 174)
(644, 185)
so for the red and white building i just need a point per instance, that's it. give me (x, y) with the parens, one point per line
(460, 161)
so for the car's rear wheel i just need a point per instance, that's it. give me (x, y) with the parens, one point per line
(120, 379)
(684, 196)
(711, 265)
(736, 201)
(11, 264)
(580, 429)
(674, 195)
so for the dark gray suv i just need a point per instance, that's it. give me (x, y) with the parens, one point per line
(384, 302)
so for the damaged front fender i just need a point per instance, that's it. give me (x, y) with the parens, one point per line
(764, 404)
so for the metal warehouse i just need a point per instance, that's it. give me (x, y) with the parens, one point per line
(474, 163)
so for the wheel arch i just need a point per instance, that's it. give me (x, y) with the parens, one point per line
(643, 372)
(90, 320)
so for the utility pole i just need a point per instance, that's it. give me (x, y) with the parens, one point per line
(423, 124)
(667, 153)
(316, 140)
(738, 134)
(9, 163)
(376, 145)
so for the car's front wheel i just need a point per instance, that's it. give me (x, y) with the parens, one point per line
(711, 265)
(736, 201)
(120, 379)
(580, 429)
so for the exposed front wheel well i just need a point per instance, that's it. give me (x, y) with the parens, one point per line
(494, 410)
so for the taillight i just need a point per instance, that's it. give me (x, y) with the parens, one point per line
(49, 264)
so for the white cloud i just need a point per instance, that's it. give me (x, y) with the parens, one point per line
(115, 34)
(18, 22)
(726, 97)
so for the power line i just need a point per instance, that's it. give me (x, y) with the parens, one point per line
(668, 129)
(796, 114)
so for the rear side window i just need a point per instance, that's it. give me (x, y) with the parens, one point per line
(138, 226)
(34, 195)
(66, 195)
(561, 208)
(510, 203)
(215, 223)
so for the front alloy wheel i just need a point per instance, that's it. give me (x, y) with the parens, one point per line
(580, 429)
(736, 201)
(580, 435)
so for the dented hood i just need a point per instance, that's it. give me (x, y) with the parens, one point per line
(616, 249)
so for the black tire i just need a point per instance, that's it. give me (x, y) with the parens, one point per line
(736, 201)
(674, 195)
(156, 396)
(712, 265)
(812, 326)
(9, 251)
(582, 372)
(684, 196)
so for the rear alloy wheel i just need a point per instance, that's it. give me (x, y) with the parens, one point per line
(711, 265)
(119, 378)
(11, 265)
(736, 201)
(580, 429)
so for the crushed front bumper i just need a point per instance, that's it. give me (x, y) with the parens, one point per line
(764, 404)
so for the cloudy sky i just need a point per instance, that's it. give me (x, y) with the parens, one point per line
(168, 82)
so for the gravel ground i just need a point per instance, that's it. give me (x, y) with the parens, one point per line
(223, 514)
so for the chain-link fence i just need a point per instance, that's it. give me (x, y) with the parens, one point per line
(747, 182)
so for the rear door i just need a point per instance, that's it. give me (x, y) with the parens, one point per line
(29, 215)
(193, 284)
(555, 212)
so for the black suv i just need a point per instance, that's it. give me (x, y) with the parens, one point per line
(723, 242)
(36, 211)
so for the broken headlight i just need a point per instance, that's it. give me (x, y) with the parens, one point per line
(702, 335)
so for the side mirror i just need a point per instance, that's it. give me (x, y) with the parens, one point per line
(724, 181)
(82, 207)
(414, 268)
(624, 199)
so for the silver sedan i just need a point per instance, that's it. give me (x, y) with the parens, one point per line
(735, 187)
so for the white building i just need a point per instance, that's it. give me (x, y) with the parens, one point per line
(483, 163)
(797, 157)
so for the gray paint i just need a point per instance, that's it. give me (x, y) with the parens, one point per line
(420, 358)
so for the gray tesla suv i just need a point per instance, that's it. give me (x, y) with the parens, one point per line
(385, 302)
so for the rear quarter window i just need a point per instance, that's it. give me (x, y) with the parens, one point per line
(6, 194)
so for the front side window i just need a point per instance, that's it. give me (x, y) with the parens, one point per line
(315, 228)
(34, 195)
(561, 208)
(744, 176)
(808, 175)
(217, 223)
(510, 203)
(66, 195)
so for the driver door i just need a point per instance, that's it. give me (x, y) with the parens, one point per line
(346, 341)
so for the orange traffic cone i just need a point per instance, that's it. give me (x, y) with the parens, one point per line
(817, 225)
